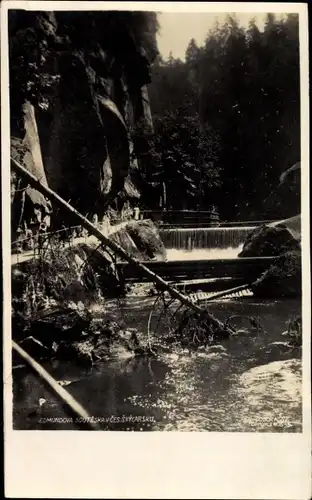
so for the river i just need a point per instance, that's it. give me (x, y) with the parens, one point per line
(240, 386)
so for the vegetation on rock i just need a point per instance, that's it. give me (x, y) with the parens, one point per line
(282, 279)
(146, 237)
(59, 275)
(73, 332)
(269, 241)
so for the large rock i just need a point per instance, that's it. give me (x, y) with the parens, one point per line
(293, 224)
(123, 238)
(273, 239)
(283, 240)
(147, 239)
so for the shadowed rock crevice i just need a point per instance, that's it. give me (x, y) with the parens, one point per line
(84, 76)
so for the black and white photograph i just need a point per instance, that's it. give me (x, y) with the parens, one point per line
(155, 221)
(155, 172)
(156, 272)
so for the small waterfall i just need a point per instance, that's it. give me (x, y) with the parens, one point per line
(204, 238)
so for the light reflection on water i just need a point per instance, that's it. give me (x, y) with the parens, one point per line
(203, 253)
(180, 390)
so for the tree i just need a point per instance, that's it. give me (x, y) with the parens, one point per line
(188, 159)
(249, 93)
(242, 86)
(192, 53)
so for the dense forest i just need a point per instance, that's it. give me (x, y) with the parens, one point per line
(227, 119)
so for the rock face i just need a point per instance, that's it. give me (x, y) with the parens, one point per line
(78, 81)
(27, 203)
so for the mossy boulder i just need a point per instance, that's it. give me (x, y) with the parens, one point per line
(147, 239)
(282, 279)
(282, 240)
(73, 334)
(269, 241)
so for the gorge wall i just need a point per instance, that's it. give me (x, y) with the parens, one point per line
(77, 94)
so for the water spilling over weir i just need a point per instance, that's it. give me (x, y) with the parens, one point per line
(189, 239)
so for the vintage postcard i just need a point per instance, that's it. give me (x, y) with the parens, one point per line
(155, 166)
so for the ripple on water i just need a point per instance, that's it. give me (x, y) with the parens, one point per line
(271, 396)
(221, 388)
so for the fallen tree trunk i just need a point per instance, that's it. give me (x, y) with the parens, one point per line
(82, 416)
(54, 197)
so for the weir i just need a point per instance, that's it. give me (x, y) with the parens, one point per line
(204, 238)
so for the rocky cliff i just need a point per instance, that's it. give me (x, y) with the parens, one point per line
(77, 92)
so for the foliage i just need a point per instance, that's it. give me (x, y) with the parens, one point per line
(243, 86)
(188, 159)
(282, 279)
(52, 278)
(32, 76)
(294, 331)
(39, 40)
(198, 329)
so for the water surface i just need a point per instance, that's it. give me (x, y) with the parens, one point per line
(203, 253)
(206, 390)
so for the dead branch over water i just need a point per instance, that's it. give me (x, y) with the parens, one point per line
(64, 395)
(163, 285)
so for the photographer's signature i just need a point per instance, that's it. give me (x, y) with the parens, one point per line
(275, 421)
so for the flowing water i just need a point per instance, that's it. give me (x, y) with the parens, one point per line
(204, 238)
(241, 386)
(250, 383)
(203, 253)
